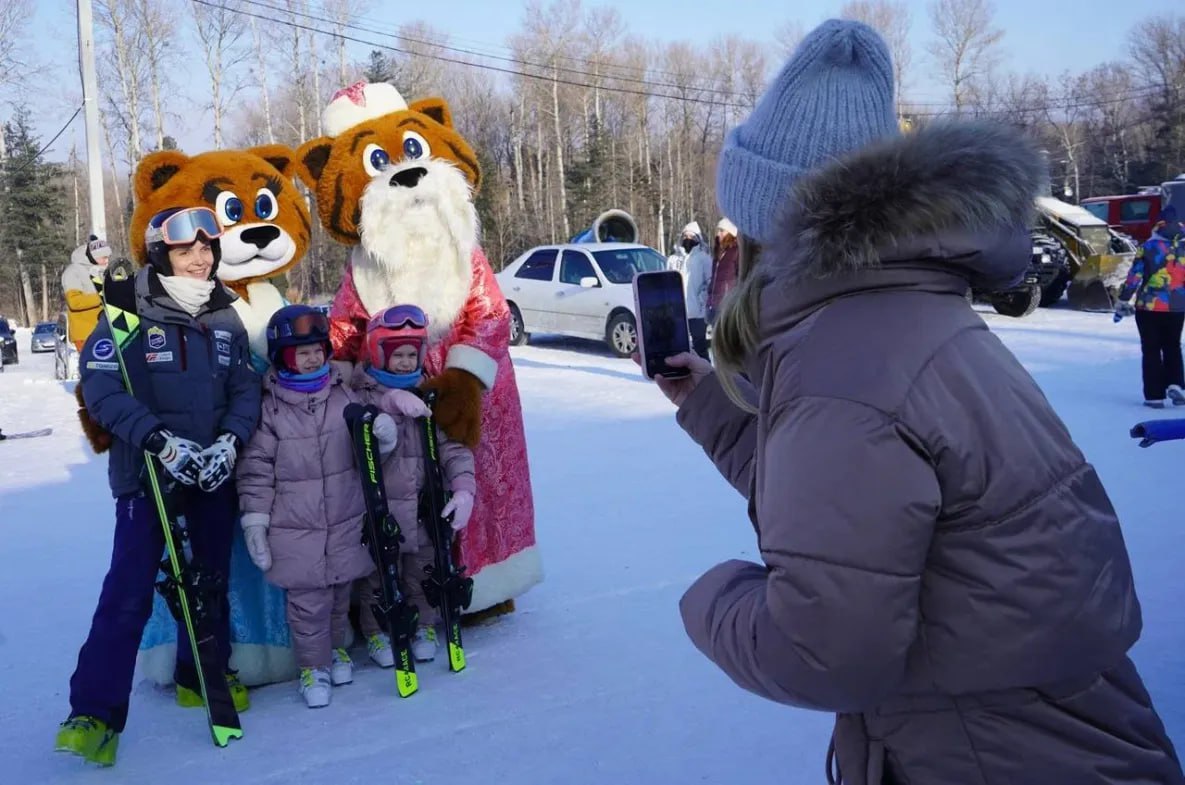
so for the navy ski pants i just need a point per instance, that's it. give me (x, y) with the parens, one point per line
(102, 682)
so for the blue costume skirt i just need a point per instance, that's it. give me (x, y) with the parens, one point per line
(261, 650)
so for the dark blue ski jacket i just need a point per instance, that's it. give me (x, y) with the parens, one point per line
(192, 375)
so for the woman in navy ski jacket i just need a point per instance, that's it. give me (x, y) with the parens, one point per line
(194, 404)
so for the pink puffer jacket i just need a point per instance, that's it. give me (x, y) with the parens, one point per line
(299, 468)
(403, 469)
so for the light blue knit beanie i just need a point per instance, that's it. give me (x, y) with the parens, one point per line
(835, 94)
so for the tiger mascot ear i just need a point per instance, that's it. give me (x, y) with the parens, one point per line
(311, 158)
(280, 156)
(436, 108)
(156, 169)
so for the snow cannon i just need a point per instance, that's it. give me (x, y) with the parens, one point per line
(611, 226)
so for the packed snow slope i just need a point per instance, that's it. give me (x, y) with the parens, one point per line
(592, 680)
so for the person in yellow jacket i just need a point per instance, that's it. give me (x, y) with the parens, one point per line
(87, 263)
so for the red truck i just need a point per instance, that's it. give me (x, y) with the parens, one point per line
(1136, 214)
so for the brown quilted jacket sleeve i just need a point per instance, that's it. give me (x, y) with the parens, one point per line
(846, 507)
(727, 434)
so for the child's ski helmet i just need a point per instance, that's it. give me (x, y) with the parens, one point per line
(399, 325)
(292, 326)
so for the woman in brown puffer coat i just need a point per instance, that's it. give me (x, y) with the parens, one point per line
(301, 495)
(942, 568)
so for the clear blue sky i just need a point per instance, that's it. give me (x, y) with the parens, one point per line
(1041, 36)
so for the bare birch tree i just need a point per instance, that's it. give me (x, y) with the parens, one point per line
(221, 34)
(14, 16)
(116, 20)
(965, 46)
(261, 70)
(153, 19)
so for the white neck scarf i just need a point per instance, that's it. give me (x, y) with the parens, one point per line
(189, 293)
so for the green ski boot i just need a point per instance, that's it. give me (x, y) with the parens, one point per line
(192, 699)
(88, 738)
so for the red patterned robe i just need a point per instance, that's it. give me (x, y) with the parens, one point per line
(498, 546)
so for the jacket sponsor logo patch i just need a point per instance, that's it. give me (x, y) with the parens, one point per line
(224, 359)
(222, 335)
(159, 357)
(222, 347)
(156, 338)
(100, 366)
(104, 349)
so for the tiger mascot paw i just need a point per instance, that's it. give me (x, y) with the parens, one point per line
(97, 435)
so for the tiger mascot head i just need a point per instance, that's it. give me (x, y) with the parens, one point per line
(398, 181)
(266, 223)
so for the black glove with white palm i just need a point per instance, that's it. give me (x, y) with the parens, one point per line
(219, 459)
(181, 458)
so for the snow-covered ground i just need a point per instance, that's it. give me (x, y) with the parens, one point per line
(592, 680)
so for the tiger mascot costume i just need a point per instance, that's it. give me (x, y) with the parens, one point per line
(395, 183)
(267, 229)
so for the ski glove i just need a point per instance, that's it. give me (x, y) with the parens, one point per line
(1123, 309)
(406, 403)
(385, 433)
(461, 505)
(181, 458)
(255, 533)
(219, 459)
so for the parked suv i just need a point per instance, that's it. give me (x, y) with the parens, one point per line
(584, 290)
(8, 354)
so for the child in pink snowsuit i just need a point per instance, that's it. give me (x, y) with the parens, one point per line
(392, 367)
(301, 495)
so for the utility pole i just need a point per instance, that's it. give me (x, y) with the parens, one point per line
(90, 101)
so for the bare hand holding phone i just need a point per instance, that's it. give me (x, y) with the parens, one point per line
(677, 390)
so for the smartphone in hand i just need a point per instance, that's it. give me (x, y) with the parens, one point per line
(662, 322)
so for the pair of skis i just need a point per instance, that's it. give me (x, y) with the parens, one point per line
(191, 591)
(446, 587)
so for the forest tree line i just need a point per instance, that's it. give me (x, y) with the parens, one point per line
(574, 114)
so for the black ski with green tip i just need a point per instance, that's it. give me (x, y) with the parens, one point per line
(446, 588)
(381, 535)
(191, 592)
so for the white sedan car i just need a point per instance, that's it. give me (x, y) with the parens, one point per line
(584, 290)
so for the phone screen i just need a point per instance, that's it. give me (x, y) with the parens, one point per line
(662, 320)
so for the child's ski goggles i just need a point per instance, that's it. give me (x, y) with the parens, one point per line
(398, 317)
(314, 326)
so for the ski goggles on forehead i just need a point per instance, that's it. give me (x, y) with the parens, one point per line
(307, 325)
(182, 227)
(400, 316)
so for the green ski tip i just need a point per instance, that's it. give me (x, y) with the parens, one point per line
(223, 735)
(407, 682)
(456, 657)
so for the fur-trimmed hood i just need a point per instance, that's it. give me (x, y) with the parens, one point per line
(950, 193)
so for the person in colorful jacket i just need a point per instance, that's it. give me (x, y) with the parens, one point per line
(195, 403)
(1157, 281)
